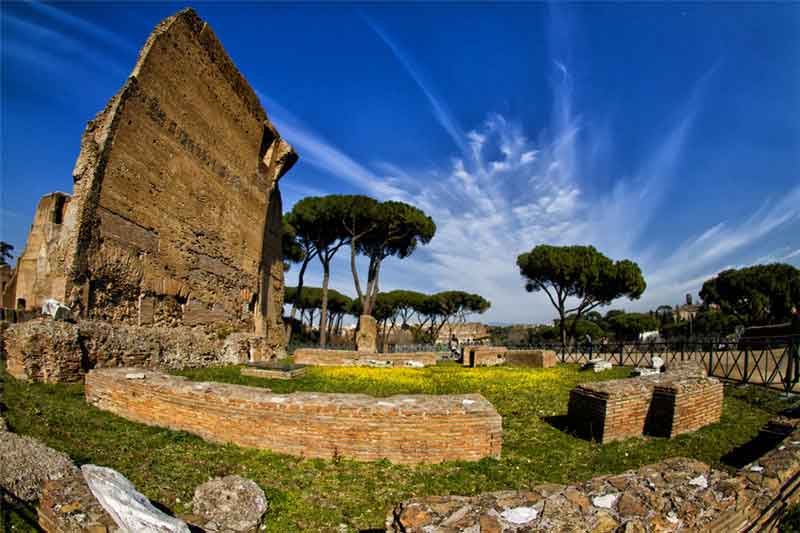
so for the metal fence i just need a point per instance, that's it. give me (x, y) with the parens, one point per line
(768, 361)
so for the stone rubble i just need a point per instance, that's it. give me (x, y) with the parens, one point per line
(26, 463)
(230, 504)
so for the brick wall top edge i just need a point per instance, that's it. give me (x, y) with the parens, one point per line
(429, 405)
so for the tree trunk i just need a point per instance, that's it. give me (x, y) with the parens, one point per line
(323, 316)
(354, 269)
(297, 296)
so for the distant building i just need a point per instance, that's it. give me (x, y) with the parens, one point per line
(468, 333)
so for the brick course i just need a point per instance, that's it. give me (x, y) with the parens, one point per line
(405, 429)
(668, 404)
(484, 355)
(532, 358)
(321, 357)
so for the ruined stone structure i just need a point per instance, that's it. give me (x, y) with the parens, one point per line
(480, 355)
(367, 334)
(320, 357)
(668, 404)
(532, 358)
(176, 212)
(62, 352)
(403, 429)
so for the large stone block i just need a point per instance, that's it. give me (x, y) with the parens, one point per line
(320, 357)
(367, 334)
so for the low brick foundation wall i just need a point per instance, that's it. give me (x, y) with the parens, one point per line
(484, 355)
(320, 357)
(684, 406)
(532, 358)
(403, 429)
(667, 404)
(673, 495)
(61, 352)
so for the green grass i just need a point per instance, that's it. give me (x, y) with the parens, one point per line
(317, 495)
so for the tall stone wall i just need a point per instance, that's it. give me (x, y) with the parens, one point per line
(403, 429)
(37, 277)
(175, 216)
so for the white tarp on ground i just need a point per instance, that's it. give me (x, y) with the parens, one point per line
(127, 506)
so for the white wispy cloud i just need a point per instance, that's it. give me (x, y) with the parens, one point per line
(438, 105)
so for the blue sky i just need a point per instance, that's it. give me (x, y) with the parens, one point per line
(664, 133)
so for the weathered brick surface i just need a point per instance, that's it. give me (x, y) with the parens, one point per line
(404, 429)
(673, 495)
(320, 357)
(484, 355)
(61, 352)
(273, 373)
(533, 358)
(68, 506)
(621, 408)
(684, 406)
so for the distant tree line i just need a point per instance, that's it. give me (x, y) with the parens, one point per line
(423, 315)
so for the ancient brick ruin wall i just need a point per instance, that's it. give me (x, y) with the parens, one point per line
(403, 429)
(35, 279)
(673, 495)
(175, 217)
(622, 408)
(685, 406)
(533, 358)
(62, 352)
(320, 357)
(484, 355)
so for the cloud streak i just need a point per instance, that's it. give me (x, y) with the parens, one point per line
(438, 106)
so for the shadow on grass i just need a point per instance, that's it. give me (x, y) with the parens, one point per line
(564, 424)
(752, 450)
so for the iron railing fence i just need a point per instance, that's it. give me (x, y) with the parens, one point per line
(768, 361)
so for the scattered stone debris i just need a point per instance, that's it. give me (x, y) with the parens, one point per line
(25, 463)
(230, 504)
(56, 310)
(129, 508)
(597, 365)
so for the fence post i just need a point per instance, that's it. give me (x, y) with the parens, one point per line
(621, 353)
(683, 349)
(747, 364)
(711, 360)
(791, 366)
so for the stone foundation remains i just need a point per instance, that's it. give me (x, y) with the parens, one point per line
(320, 357)
(483, 355)
(68, 506)
(532, 358)
(403, 429)
(61, 352)
(275, 372)
(674, 402)
(175, 218)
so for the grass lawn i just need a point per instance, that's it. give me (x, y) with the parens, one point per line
(317, 495)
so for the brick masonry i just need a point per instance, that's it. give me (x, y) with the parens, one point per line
(320, 357)
(61, 352)
(273, 373)
(532, 358)
(484, 355)
(676, 494)
(674, 402)
(406, 429)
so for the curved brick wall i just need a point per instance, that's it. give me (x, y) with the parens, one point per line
(404, 429)
(319, 357)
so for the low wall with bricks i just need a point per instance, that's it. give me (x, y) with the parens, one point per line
(403, 429)
(684, 406)
(54, 351)
(484, 355)
(674, 495)
(667, 404)
(321, 357)
(532, 358)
